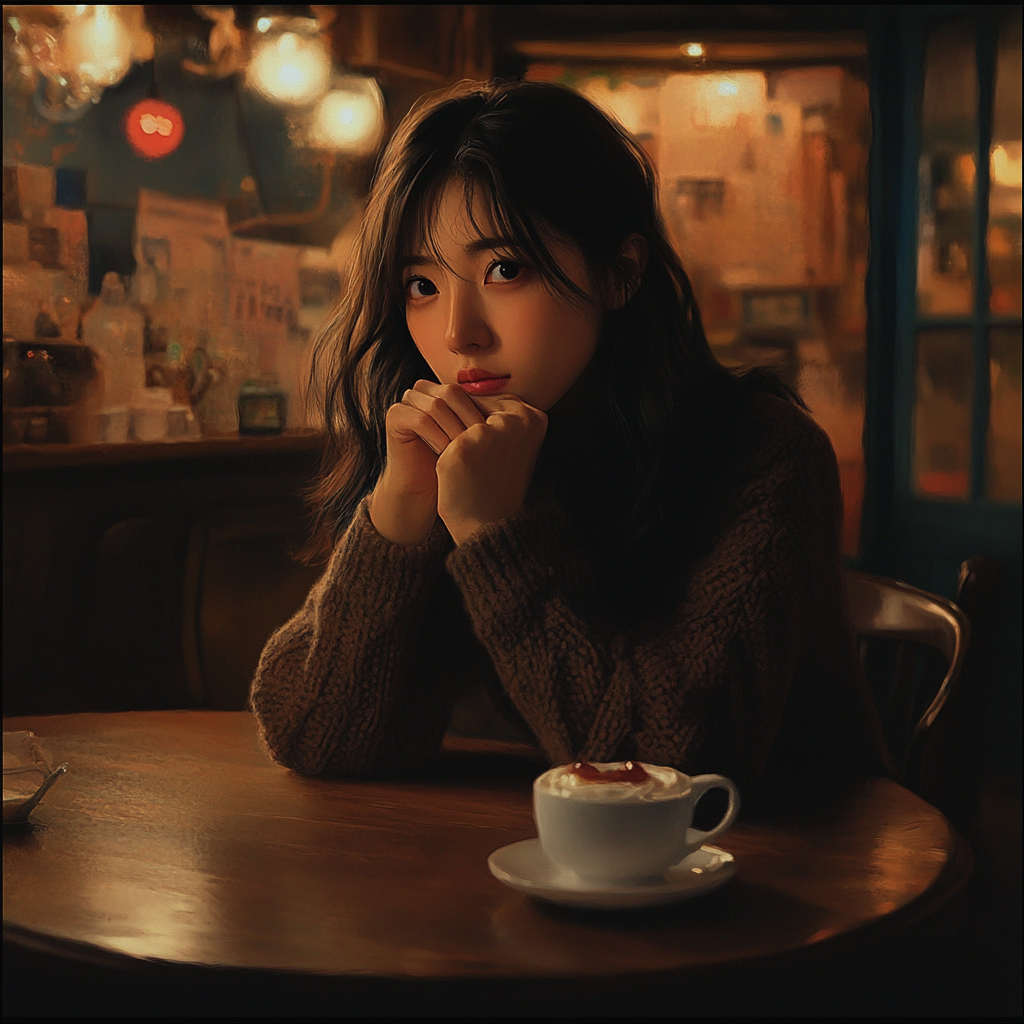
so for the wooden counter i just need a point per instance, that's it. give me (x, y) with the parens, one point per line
(21, 458)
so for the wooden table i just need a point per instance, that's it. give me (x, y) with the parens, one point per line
(176, 865)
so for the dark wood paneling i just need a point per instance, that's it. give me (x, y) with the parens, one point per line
(97, 563)
(242, 582)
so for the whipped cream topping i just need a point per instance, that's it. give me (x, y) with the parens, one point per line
(661, 784)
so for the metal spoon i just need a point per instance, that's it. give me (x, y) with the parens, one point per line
(20, 812)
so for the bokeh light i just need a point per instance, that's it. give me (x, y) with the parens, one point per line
(290, 64)
(154, 128)
(350, 118)
(99, 44)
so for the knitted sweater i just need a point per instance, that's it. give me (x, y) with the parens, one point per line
(751, 672)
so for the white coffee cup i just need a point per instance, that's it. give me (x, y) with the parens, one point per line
(112, 424)
(149, 413)
(623, 832)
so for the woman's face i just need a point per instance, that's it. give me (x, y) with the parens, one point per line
(490, 324)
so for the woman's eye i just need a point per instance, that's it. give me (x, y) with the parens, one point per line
(506, 270)
(420, 288)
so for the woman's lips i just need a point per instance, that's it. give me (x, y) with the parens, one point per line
(479, 382)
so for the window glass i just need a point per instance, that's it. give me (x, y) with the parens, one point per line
(763, 176)
(1004, 205)
(942, 413)
(1003, 454)
(947, 172)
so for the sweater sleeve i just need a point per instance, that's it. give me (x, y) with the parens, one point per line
(350, 685)
(703, 690)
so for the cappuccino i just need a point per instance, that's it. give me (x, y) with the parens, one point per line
(622, 824)
(627, 782)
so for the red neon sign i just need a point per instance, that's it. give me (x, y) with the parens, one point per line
(154, 129)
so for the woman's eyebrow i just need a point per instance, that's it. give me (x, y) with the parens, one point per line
(419, 260)
(479, 245)
(485, 244)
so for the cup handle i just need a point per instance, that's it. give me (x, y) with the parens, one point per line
(701, 784)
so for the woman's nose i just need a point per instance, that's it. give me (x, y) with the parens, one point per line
(467, 322)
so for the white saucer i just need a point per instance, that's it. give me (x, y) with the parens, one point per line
(524, 866)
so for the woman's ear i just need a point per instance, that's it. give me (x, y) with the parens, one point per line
(625, 279)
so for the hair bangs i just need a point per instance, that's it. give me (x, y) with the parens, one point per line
(486, 197)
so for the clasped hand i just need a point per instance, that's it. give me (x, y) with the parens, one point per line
(468, 460)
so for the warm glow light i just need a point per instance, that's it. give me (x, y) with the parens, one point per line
(291, 68)
(721, 99)
(692, 49)
(154, 129)
(79, 53)
(263, 24)
(1006, 164)
(99, 45)
(965, 170)
(154, 124)
(350, 118)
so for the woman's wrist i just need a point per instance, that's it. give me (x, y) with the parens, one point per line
(406, 519)
(463, 529)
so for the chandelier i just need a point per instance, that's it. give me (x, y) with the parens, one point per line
(68, 54)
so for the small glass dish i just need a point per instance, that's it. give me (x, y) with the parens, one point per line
(27, 776)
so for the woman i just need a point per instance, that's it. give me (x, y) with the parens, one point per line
(541, 481)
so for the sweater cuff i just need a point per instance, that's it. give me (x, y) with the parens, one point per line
(377, 568)
(507, 569)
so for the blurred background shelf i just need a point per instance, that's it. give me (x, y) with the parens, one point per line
(20, 458)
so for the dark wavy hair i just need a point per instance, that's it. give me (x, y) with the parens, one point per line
(545, 162)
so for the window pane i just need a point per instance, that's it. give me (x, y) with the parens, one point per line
(942, 413)
(1003, 457)
(1004, 262)
(949, 128)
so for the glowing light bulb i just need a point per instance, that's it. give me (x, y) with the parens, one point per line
(99, 45)
(290, 67)
(1006, 164)
(350, 117)
(263, 24)
(692, 49)
(722, 99)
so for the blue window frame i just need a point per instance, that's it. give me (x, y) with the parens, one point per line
(921, 537)
(918, 533)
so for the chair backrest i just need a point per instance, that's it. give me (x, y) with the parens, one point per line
(889, 610)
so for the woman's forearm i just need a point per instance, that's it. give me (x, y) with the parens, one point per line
(345, 686)
(706, 690)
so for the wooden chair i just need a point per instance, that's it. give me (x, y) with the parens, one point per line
(913, 645)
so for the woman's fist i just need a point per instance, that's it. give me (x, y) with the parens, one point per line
(483, 474)
(403, 506)
(446, 459)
